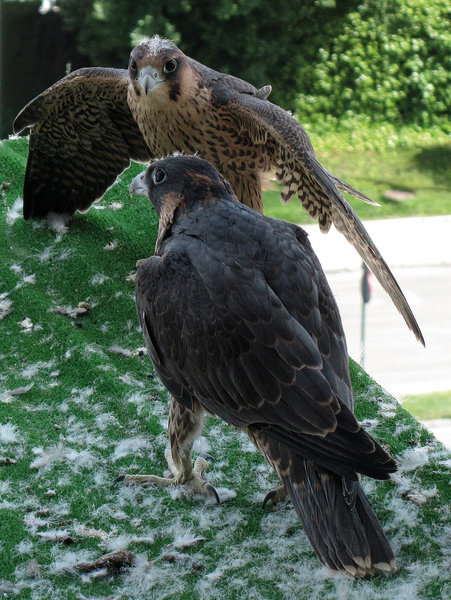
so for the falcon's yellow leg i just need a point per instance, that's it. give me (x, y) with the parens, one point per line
(184, 427)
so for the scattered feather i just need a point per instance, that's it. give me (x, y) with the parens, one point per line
(24, 547)
(46, 459)
(32, 370)
(9, 434)
(130, 380)
(119, 542)
(136, 539)
(21, 390)
(112, 245)
(109, 564)
(73, 313)
(98, 279)
(5, 305)
(56, 535)
(187, 541)
(420, 497)
(26, 325)
(15, 211)
(388, 409)
(58, 222)
(8, 588)
(414, 458)
(29, 279)
(172, 557)
(126, 352)
(133, 446)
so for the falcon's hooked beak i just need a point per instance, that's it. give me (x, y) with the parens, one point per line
(138, 186)
(149, 78)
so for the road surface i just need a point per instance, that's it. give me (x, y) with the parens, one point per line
(418, 251)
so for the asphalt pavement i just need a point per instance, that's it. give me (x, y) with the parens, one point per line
(418, 251)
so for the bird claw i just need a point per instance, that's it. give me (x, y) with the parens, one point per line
(194, 478)
(214, 493)
(275, 496)
(207, 456)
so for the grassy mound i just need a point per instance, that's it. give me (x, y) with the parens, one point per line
(80, 404)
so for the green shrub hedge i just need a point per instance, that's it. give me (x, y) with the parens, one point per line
(390, 60)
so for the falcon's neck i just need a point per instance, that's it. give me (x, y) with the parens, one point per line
(172, 122)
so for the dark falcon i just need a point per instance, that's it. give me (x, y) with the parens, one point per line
(87, 126)
(240, 322)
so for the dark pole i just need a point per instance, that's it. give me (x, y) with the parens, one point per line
(366, 295)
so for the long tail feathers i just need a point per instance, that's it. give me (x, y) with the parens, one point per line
(341, 525)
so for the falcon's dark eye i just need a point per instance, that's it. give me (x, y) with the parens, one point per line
(170, 66)
(158, 176)
(133, 65)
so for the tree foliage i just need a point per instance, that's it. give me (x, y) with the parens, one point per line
(383, 58)
(389, 60)
(258, 40)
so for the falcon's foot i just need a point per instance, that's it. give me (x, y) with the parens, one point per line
(191, 475)
(275, 496)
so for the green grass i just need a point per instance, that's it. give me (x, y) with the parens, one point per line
(74, 414)
(436, 405)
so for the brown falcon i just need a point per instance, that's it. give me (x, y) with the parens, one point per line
(239, 321)
(87, 126)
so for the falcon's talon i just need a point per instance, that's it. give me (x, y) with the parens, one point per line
(190, 475)
(171, 465)
(214, 493)
(146, 480)
(275, 496)
(200, 466)
(207, 456)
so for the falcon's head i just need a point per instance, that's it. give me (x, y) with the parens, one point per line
(181, 182)
(159, 71)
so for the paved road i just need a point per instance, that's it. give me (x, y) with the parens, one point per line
(418, 250)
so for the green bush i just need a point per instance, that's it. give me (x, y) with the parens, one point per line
(389, 60)
(251, 39)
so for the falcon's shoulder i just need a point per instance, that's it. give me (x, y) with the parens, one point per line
(223, 85)
(82, 136)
